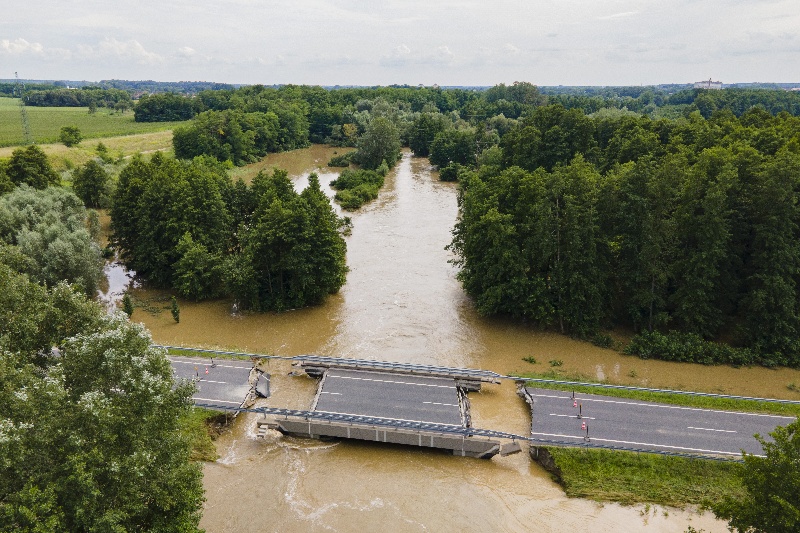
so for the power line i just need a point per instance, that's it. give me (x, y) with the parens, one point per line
(26, 129)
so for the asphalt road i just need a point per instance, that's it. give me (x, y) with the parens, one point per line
(224, 383)
(645, 425)
(386, 395)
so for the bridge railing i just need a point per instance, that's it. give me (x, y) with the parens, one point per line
(391, 423)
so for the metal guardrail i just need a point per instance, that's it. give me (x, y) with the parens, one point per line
(222, 352)
(665, 391)
(446, 429)
(468, 373)
(385, 365)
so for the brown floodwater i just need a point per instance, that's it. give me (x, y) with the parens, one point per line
(402, 302)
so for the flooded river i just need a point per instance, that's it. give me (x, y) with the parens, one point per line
(402, 302)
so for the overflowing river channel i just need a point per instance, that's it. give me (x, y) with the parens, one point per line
(402, 302)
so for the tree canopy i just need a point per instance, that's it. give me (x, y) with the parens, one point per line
(89, 436)
(772, 484)
(186, 225)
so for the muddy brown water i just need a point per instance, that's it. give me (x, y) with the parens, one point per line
(402, 302)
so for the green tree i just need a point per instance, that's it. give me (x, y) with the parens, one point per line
(704, 237)
(197, 272)
(49, 228)
(6, 185)
(157, 202)
(70, 136)
(30, 165)
(294, 246)
(770, 308)
(91, 183)
(644, 240)
(423, 132)
(454, 146)
(71, 460)
(127, 304)
(380, 142)
(175, 310)
(772, 482)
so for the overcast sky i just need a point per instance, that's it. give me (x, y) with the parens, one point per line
(380, 42)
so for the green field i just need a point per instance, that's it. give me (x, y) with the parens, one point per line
(46, 123)
(629, 478)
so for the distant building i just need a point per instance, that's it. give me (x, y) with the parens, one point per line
(714, 85)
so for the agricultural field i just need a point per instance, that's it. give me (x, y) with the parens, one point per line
(63, 158)
(46, 123)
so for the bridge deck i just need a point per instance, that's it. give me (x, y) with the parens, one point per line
(224, 383)
(381, 394)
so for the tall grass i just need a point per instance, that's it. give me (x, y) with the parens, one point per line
(628, 478)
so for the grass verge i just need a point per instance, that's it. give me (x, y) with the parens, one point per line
(702, 402)
(201, 427)
(628, 478)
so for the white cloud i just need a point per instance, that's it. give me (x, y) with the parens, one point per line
(20, 46)
(131, 50)
(187, 51)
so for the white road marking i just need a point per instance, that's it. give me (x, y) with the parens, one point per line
(575, 416)
(709, 429)
(210, 381)
(447, 404)
(391, 381)
(333, 393)
(663, 406)
(215, 400)
(660, 446)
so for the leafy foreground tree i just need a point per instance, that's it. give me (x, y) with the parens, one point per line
(772, 482)
(30, 165)
(89, 437)
(48, 227)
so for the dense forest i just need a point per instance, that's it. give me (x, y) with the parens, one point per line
(691, 226)
(186, 225)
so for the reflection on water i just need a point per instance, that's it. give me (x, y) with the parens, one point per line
(116, 281)
(402, 302)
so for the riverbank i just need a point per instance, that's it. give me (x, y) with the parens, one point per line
(632, 478)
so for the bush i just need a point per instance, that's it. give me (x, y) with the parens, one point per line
(691, 348)
(342, 160)
(70, 136)
(357, 187)
(450, 172)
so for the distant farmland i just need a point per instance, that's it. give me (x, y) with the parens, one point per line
(46, 122)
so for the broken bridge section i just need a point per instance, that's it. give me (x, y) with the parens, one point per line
(396, 403)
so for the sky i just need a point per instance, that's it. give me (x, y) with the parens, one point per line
(382, 42)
